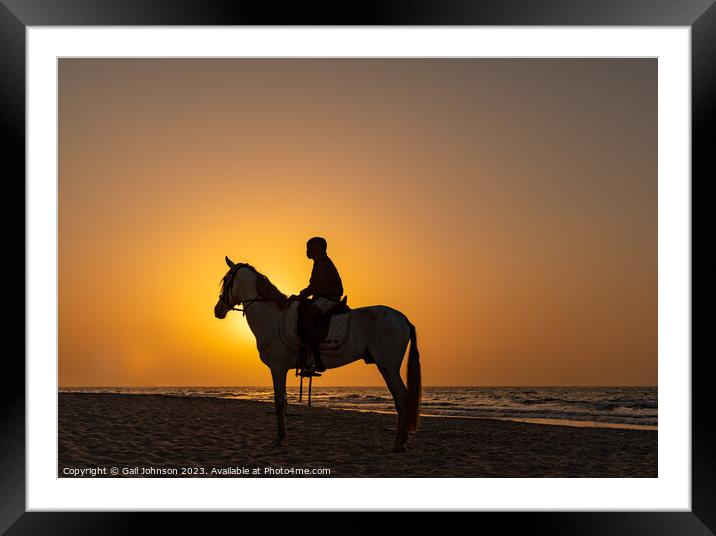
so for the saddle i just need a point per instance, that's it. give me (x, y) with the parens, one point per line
(323, 322)
(331, 327)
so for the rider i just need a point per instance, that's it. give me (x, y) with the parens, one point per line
(326, 288)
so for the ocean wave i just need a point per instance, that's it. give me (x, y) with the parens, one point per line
(613, 405)
(356, 398)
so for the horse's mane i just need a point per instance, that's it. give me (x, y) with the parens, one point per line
(264, 287)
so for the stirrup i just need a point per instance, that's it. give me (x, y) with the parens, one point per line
(309, 372)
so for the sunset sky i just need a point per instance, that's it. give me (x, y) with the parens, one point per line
(507, 207)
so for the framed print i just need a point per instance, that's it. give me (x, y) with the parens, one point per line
(419, 259)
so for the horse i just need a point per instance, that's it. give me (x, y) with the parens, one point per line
(378, 334)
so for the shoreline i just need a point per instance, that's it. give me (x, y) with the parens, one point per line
(528, 420)
(164, 431)
(546, 421)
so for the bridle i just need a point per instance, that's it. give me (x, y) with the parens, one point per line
(245, 303)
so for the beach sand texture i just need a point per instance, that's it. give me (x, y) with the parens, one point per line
(160, 431)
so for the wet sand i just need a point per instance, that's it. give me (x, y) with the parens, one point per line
(164, 434)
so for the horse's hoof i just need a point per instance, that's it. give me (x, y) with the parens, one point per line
(277, 443)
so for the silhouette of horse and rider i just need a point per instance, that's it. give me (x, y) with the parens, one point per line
(378, 334)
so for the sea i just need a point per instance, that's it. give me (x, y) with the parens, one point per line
(612, 407)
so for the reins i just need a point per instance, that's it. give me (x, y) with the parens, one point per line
(245, 303)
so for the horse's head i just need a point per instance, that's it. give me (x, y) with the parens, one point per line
(233, 288)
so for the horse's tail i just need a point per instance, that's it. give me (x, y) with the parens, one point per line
(414, 381)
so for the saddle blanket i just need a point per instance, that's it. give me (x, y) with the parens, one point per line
(337, 329)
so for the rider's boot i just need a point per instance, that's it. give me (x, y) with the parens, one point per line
(317, 361)
(314, 362)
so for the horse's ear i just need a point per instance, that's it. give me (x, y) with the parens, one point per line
(229, 262)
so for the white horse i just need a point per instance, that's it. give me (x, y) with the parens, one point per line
(377, 334)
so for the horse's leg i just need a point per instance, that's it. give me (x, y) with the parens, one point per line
(279, 398)
(400, 396)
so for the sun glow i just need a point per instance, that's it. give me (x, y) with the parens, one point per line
(240, 326)
(519, 260)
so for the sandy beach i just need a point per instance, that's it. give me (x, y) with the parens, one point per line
(160, 435)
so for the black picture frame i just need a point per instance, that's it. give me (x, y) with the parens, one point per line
(16, 15)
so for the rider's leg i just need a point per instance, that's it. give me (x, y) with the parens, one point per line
(308, 326)
(324, 305)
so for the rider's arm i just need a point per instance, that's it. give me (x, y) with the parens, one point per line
(310, 289)
(318, 274)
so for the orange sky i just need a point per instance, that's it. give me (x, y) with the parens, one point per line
(508, 207)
